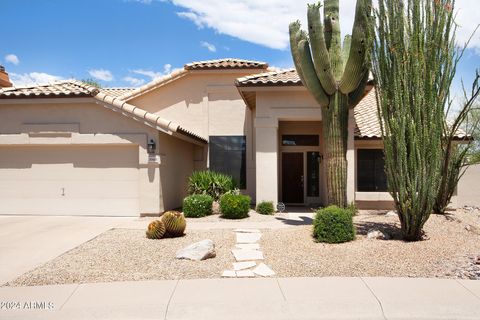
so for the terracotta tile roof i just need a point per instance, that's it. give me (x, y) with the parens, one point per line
(227, 63)
(116, 92)
(74, 88)
(366, 117)
(59, 89)
(174, 75)
(275, 78)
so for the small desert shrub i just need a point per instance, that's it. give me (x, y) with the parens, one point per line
(352, 207)
(265, 207)
(333, 225)
(213, 183)
(197, 205)
(234, 206)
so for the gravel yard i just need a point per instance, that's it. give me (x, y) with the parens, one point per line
(125, 254)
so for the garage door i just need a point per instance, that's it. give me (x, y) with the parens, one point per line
(69, 180)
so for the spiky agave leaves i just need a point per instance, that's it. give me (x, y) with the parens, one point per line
(156, 230)
(175, 223)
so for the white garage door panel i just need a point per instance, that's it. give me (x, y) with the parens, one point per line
(69, 180)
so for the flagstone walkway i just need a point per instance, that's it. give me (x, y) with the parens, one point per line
(247, 253)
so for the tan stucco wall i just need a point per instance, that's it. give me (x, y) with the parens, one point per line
(272, 107)
(209, 104)
(91, 129)
(468, 190)
(176, 165)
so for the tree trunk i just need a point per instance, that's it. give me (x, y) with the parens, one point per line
(335, 137)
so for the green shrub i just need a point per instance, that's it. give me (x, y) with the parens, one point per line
(197, 205)
(265, 207)
(234, 206)
(333, 225)
(213, 183)
(352, 207)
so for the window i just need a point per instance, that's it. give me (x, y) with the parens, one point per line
(313, 174)
(300, 140)
(228, 156)
(371, 170)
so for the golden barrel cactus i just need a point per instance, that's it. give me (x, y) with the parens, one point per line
(156, 230)
(175, 223)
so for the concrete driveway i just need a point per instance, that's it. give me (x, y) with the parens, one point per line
(27, 242)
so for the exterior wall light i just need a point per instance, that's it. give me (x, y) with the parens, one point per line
(151, 146)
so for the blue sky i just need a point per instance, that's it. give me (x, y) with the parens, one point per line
(129, 42)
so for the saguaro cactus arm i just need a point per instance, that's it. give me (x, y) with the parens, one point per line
(294, 30)
(321, 58)
(357, 66)
(310, 77)
(333, 36)
(347, 41)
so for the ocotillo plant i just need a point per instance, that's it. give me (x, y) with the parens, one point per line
(413, 67)
(336, 76)
(456, 153)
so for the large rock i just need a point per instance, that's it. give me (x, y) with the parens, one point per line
(391, 213)
(197, 251)
(377, 234)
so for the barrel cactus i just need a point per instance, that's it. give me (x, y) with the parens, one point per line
(175, 223)
(156, 230)
(336, 76)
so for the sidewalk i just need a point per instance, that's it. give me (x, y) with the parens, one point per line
(269, 298)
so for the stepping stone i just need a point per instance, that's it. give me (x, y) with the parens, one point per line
(249, 246)
(263, 270)
(243, 265)
(245, 274)
(247, 230)
(247, 255)
(229, 274)
(248, 237)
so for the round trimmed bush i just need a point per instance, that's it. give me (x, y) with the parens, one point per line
(197, 205)
(234, 206)
(265, 207)
(333, 225)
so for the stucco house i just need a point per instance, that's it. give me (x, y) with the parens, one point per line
(68, 148)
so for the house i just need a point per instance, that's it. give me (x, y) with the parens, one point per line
(68, 148)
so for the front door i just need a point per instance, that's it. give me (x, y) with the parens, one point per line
(292, 177)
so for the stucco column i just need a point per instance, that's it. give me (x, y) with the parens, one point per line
(266, 139)
(351, 158)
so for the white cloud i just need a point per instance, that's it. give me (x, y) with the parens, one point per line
(266, 22)
(32, 78)
(167, 68)
(101, 74)
(136, 82)
(210, 47)
(12, 59)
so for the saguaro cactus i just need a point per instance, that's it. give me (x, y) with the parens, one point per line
(336, 76)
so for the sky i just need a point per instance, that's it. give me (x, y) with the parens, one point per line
(126, 43)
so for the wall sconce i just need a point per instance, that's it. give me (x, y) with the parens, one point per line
(151, 146)
(320, 158)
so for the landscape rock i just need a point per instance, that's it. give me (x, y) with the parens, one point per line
(229, 274)
(472, 229)
(247, 230)
(391, 213)
(263, 270)
(248, 237)
(197, 251)
(245, 274)
(248, 246)
(243, 265)
(247, 255)
(377, 235)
